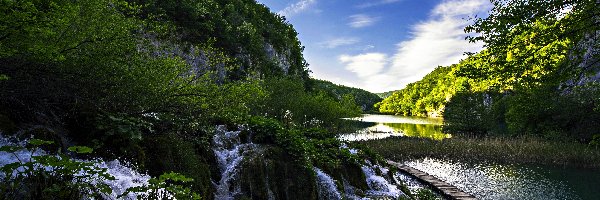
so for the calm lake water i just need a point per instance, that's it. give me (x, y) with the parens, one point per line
(483, 180)
(382, 126)
(496, 181)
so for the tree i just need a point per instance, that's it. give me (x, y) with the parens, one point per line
(521, 36)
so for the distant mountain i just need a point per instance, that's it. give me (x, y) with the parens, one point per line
(384, 95)
(363, 98)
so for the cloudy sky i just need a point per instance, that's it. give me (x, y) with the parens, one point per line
(380, 45)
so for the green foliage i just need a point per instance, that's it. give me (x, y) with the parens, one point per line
(363, 98)
(307, 146)
(242, 28)
(426, 194)
(51, 177)
(290, 102)
(511, 19)
(183, 154)
(123, 126)
(426, 97)
(528, 80)
(122, 77)
(274, 173)
(470, 113)
(501, 149)
(167, 186)
(80, 149)
(595, 141)
(386, 94)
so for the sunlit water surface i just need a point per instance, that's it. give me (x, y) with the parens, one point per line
(384, 126)
(494, 181)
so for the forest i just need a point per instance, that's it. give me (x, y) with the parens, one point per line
(153, 83)
(213, 99)
(538, 75)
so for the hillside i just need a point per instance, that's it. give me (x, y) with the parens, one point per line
(365, 99)
(539, 79)
(187, 99)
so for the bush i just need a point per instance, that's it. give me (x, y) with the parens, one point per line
(50, 176)
(167, 186)
(172, 153)
(472, 113)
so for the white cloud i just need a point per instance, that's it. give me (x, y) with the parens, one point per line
(377, 3)
(459, 8)
(330, 44)
(434, 42)
(296, 8)
(365, 65)
(368, 47)
(368, 68)
(362, 20)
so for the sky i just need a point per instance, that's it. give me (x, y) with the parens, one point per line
(380, 45)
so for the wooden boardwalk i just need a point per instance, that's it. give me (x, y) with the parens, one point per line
(439, 185)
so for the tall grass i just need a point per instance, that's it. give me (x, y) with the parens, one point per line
(524, 150)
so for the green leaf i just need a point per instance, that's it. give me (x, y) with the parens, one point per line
(38, 142)
(4, 77)
(10, 149)
(80, 149)
(9, 168)
(175, 177)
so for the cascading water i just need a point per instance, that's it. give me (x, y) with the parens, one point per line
(229, 152)
(326, 186)
(378, 185)
(125, 177)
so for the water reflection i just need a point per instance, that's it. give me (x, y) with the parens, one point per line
(398, 119)
(389, 125)
(493, 181)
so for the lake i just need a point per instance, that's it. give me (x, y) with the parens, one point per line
(505, 181)
(481, 179)
(382, 126)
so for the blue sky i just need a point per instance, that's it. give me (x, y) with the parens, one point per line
(380, 45)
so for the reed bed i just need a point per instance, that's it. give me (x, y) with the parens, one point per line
(524, 150)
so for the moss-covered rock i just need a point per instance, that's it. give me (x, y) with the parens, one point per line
(273, 173)
(350, 172)
(170, 153)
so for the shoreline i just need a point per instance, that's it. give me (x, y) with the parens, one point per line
(501, 150)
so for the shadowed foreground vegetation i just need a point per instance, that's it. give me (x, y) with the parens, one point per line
(523, 150)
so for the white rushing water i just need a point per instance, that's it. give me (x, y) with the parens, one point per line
(326, 186)
(230, 152)
(125, 177)
(378, 185)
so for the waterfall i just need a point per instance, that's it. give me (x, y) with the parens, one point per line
(378, 185)
(326, 186)
(125, 177)
(229, 152)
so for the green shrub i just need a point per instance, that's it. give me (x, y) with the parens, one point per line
(66, 179)
(180, 154)
(167, 186)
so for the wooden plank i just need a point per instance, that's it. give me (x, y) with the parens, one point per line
(439, 185)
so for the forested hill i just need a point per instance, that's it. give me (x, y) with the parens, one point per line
(261, 42)
(365, 99)
(538, 74)
(386, 94)
(164, 85)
